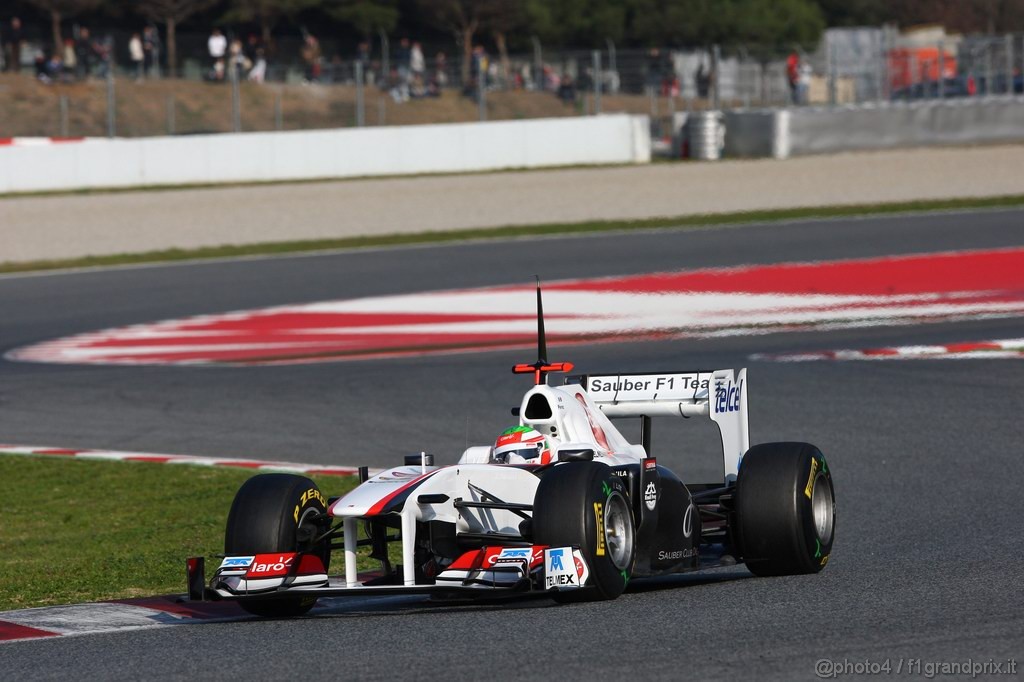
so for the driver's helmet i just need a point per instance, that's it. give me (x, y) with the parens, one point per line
(521, 444)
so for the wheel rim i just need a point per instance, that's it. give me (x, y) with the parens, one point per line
(618, 531)
(305, 532)
(822, 507)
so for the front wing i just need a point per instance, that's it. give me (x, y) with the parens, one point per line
(486, 571)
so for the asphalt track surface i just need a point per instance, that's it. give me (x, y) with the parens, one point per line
(926, 458)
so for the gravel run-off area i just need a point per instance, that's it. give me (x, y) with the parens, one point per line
(70, 226)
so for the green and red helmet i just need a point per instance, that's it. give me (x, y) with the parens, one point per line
(522, 441)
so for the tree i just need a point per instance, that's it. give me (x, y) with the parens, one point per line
(578, 22)
(60, 10)
(462, 18)
(366, 16)
(856, 12)
(962, 16)
(500, 20)
(757, 24)
(171, 13)
(267, 13)
(768, 25)
(682, 22)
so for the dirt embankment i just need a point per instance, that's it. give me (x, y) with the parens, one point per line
(30, 108)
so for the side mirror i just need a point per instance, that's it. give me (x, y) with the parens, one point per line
(575, 454)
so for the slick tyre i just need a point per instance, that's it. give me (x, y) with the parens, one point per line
(277, 513)
(785, 509)
(581, 504)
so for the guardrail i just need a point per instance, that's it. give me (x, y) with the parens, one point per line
(325, 154)
(781, 133)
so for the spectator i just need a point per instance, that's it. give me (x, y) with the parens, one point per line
(13, 38)
(312, 57)
(403, 57)
(238, 61)
(804, 82)
(85, 53)
(217, 46)
(653, 75)
(400, 83)
(441, 70)
(551, 80)
(417, 65)
(253, 46)
(137, 55)
(363, 57)
(566, 89)
(150, 49)
(42, 73)
(478, 72)
(703, 80)
(669, 79)
(49, 71)
(258, 58)
(104, 51)
(793, 76)
(70, 60)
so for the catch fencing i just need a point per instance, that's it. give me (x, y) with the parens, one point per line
(850, 66)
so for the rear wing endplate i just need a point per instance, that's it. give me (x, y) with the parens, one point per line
(720, 395)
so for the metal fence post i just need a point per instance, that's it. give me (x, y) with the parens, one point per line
(538, 64)
(385, 59)
(746, 82)
(279, 109)
(613, 67)
(941, 82)
(360, 103)
(887, 65)
(236, 100)
(879, 62)
(990, 78)
(1008, 42)
(833, 94)
(382, 111)
(763, 75)
(170, 115)
(62, 104)
(716, 60)
(915, 71)
(596, 57)
(111, 101)
(481, 89)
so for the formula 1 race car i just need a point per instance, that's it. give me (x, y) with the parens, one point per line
(577, 511)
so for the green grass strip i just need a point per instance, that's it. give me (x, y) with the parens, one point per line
(595, 226)
(76, 531)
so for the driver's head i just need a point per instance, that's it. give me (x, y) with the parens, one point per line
(521, 444)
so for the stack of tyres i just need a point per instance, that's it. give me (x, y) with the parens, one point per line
(705, 134)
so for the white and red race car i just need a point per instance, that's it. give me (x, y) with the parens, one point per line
(580, 523)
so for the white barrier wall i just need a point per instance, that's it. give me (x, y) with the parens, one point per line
(820, 130)
(350, 152)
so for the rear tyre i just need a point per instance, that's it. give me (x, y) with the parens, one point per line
(277, 513)
(583, 504)
(785, 509)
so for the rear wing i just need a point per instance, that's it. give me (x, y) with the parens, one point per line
(720, 394)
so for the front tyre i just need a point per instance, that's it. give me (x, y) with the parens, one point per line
(582, 504)
(277, 513)
(785, 509)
